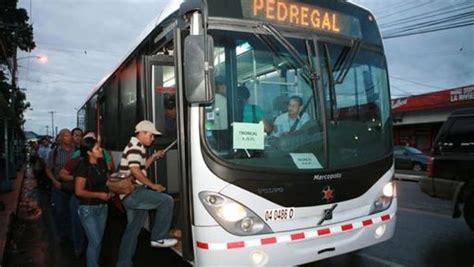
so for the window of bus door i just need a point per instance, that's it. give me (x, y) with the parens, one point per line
(165, 102)
(264, 114)
(359, 129)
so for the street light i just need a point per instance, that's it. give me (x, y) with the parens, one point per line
(40, 58)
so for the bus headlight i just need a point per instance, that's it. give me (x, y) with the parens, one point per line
(233, 216)
(385, 200)
(389, 189)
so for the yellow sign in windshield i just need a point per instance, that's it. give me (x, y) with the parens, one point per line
(301, 15)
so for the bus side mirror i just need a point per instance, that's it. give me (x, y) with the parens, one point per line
(199, 73)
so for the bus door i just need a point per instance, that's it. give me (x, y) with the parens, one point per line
(161, 108)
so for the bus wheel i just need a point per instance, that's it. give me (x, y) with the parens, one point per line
(469, 208)
(417, 167)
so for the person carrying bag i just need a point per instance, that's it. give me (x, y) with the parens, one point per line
(145, 196)
(90, 187)
(120, 183)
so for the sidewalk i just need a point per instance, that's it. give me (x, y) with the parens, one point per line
(11, 201)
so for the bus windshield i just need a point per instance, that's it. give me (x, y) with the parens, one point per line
(269, 113)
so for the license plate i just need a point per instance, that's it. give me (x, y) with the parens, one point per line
(279, 214)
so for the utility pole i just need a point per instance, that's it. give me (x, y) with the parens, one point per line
(47, 128)
(52, 123)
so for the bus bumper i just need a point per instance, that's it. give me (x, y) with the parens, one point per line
(215, 247)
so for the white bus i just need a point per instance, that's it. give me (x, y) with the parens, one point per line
(282, 118)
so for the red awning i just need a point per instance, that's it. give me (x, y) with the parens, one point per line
(457, 97)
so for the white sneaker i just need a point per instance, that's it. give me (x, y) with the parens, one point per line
(164, 243)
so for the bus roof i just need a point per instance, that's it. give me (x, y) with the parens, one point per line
(167, 10)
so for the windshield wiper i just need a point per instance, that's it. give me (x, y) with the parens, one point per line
(342, 67)
(305, 65)
(290, 48)
(313, 85)
(332, 86)
(345, 60)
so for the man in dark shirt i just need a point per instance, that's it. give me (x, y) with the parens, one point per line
(57, 158)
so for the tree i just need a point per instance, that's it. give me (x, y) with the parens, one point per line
(15, 31)
(5, 91)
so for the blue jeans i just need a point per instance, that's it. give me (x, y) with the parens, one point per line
(137, 205)
(94, 220)
(78, 237)
(61, 214)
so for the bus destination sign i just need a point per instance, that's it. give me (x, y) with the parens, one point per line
(301, 15)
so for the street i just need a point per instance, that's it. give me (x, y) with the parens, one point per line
(260, 132)
(425, 235)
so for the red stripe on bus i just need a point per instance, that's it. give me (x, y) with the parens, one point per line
(267, 241)
(386, 217)
(202, 245)
(324, 231)
(297, 236)
(367, 222)
(346, 227)
(239, 244)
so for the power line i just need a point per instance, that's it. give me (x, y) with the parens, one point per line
(428, 31)
(58, 47)
(403, 10)
(450, 19)
(407, 93)
(56, 73)
(459, 16)
(414, 82)
(424, 15)
(57, 81)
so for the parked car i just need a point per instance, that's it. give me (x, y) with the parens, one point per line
(407, 157)
(451, 167)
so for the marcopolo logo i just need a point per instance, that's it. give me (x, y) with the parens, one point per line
(329, 176)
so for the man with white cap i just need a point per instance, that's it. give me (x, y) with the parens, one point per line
(146, 195)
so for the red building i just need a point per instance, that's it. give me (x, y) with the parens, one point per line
(417, 119)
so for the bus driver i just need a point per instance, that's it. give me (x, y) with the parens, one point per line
(291, 120)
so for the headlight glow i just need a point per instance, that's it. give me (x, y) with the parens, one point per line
(231, 212)
(234, 217)
(259, 258)
(380, 230)
(384, 201)
(388, 190)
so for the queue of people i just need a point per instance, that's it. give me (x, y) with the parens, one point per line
(77, 169)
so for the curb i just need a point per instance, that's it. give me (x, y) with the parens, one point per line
(11, 200)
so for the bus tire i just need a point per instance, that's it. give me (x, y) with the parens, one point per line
(468, 209)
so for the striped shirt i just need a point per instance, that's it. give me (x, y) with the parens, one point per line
(134, 155)
(57, 158)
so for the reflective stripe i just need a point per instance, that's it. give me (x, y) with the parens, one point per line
(296, 236)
